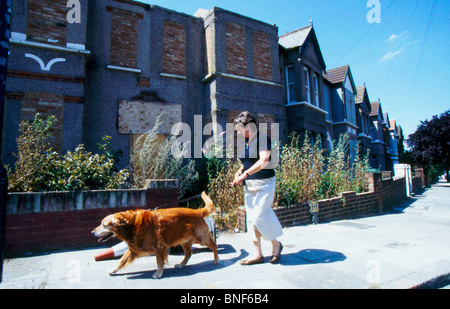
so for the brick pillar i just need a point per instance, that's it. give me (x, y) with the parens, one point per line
(242, 219)
(420, 173)
(161, 192)
(374, 183)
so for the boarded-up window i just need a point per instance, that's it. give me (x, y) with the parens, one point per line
(47, 21)
(46, 104)
(174, 48)
(262, 60)
(124, 37)
(236, 50)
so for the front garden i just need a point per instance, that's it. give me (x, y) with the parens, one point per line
(305, 171)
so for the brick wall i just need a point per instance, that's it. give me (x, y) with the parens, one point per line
(174, 48)
(39, 222)
(124, 37)
(382, 195)
(46, 104)
(394, 192)
(47, 21)
(236, 50)
(262, 62)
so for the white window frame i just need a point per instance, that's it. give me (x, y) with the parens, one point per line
(307, 85)
(290, 84)
(316, 89)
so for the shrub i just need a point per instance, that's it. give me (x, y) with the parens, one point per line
(39, 169)
(340, 174)
(336, 177)
(227, 198)
(304, 173)
(299, 172)
(153, 159)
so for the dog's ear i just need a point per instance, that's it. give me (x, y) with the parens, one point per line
(120, 221)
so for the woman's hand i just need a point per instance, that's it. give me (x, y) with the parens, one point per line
(239, 177)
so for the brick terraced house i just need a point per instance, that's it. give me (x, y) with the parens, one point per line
(302, 65)
(126, 62)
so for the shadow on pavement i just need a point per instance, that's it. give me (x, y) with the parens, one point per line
(191, 269)
(311, 256)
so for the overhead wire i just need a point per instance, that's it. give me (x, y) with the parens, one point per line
(363, 35)
(398, 48)
(419, 62)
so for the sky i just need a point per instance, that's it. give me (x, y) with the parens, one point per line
(403, 60)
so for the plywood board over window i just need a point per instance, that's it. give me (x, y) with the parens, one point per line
(138, 117)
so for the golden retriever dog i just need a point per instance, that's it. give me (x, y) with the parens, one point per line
(152, 232)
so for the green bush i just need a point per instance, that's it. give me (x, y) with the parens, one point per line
(39, 169)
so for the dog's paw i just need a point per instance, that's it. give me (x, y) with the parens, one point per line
(157, 275)
(112, 272)
(179, 266)
(216, 261)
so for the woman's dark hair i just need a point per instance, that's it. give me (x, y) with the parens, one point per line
(245, 118)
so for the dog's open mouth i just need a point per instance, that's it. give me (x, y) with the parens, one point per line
(106, 237)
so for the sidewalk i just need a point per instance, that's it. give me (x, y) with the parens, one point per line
(404, 249)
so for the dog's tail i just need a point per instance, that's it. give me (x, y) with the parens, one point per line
(209, 206)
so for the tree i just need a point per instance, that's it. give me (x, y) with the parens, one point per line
(430, 143)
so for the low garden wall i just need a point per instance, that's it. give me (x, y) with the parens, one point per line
(384, 192)
(53, 220)
(38, 222)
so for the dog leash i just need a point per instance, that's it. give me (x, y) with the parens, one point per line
(179, 202)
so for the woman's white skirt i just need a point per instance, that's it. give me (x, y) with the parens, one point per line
(259, 195)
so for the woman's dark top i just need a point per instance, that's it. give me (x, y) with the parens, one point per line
(250, 155)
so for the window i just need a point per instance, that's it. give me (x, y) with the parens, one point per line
(307, 86)
(290, 84)
(350, 106)
(327, 101)
(316, 90)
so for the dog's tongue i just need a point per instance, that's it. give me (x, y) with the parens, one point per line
(105, 238)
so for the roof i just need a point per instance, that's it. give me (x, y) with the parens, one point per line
(299, 39)
(392, 125)
(363, 96)
(376, 107)
(360, 92)
(338, 76)
(295, 38)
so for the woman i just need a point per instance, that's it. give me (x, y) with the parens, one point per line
(259, 188)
